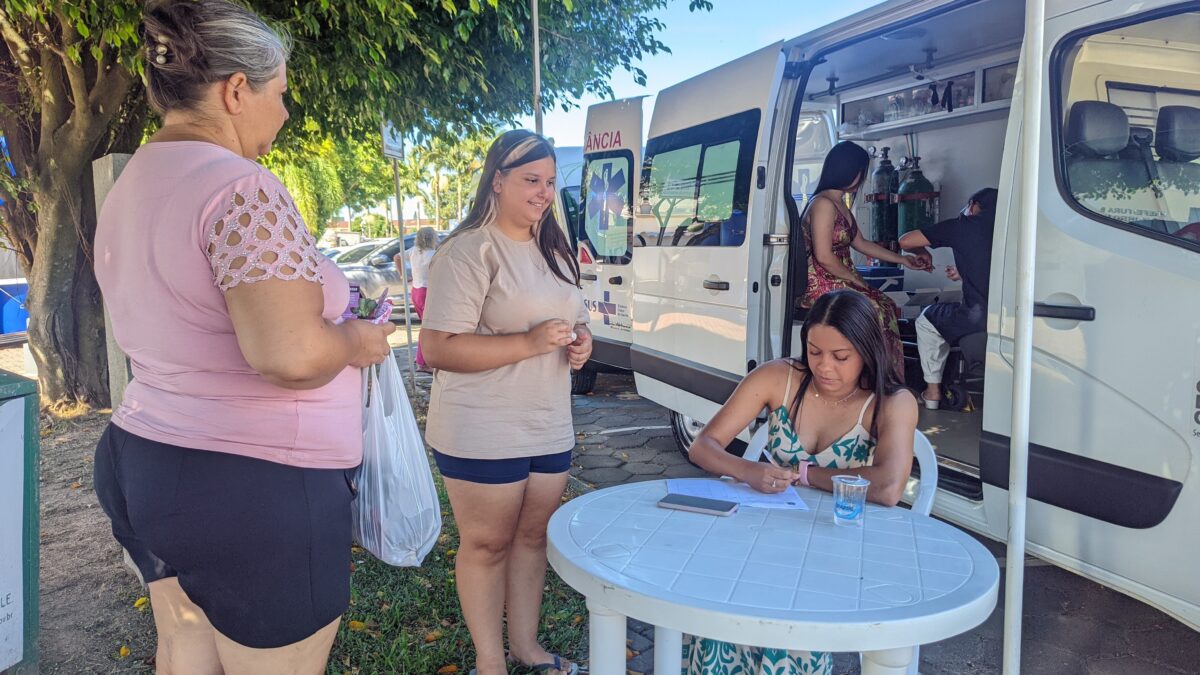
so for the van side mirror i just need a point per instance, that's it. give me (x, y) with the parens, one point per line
(379, 261)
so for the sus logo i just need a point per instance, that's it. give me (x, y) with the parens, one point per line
(602, 141)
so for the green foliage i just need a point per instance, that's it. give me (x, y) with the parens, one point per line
(372, 226)
(71, 90)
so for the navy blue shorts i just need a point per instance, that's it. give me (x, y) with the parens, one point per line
(498, 471)
(262, 548)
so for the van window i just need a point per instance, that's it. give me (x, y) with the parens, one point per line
(604, 223)
(696, 184)
(1129, 144)
(814, 140)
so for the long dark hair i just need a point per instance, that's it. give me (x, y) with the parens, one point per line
(511, 150)
(851, 314)
(845, 166)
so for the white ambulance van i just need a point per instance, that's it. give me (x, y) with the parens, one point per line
(719, 260)
(611, 172)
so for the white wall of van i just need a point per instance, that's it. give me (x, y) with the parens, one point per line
(1114, 482)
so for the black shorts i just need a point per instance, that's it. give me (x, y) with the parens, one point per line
(499, 471)
(263, 548)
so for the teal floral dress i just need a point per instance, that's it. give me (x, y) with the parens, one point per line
(705, 656)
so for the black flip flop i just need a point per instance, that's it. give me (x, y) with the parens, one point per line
(555, 665)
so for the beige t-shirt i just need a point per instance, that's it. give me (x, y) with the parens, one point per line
(482, 282)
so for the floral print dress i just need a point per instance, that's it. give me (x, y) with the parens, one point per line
(705, 656)
(821, 281)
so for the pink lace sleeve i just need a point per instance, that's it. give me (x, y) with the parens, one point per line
(261, 236)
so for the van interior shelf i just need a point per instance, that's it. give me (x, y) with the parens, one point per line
(936, 120)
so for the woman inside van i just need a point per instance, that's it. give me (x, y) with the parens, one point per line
(838, 406)
(830, 231)
(504, 324)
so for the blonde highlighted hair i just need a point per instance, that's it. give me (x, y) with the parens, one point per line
(511, 150)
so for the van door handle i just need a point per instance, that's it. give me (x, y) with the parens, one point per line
(716, 285)
(588, 277)
(1069, 312)
(616, 281)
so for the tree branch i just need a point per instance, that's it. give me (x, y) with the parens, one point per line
(106, 66)
(19, 49)
(76, 76)
(107, 101)
(54, 109)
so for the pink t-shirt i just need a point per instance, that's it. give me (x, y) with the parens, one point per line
(186, 221)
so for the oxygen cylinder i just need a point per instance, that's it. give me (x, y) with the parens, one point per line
(885, 181)
(916, 200)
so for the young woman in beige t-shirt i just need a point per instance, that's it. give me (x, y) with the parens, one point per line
(504, 323)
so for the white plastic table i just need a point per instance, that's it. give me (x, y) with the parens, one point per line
(771, 578)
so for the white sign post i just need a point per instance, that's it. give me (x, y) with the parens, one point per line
(393, 148)
(12, 507)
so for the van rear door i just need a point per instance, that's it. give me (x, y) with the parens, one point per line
(1114, 433)
(703, 176)
(611, 166)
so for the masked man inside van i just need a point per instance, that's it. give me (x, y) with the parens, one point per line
(943, 324)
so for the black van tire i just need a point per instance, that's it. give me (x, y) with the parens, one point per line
(583, 381)
(685, 429)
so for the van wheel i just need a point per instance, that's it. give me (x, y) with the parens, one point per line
(685, 429)
(583, 381)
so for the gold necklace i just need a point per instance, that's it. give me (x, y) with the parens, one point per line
(835, 403)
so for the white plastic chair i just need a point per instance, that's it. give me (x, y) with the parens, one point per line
(923, 504)
(927, 460)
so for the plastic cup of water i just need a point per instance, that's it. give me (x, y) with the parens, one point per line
(849, 499)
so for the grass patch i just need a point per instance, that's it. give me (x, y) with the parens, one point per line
(408, 620)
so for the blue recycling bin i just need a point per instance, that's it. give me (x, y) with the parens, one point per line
(14, 318)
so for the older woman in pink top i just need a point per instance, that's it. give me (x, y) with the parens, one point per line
(225, 468)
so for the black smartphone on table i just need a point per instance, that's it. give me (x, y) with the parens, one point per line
(716, 507)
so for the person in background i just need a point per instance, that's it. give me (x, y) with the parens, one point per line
(419, 256)
(830, 231)
(226, 469)
(504, 325)
(941, 325)
(843, 379)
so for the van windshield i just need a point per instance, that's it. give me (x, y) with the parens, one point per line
(1131, 134)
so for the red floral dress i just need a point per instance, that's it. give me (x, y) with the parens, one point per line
(821, 281)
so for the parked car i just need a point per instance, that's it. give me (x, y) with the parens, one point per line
(344, 255)
(376, 271)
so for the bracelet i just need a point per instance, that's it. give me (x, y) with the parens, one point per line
(803, 479)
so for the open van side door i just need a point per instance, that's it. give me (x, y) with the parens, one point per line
(815, 136)
(612, 156)
(1114, 433)
(703, 181)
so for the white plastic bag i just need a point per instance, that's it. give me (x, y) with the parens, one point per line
(397, 516)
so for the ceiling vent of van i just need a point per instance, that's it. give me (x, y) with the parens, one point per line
(910, 33)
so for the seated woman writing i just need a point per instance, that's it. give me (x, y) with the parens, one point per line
(836, 407)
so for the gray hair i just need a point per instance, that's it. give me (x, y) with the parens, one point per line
(193, 43)
(426, 239)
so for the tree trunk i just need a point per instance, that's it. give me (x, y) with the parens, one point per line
(66, 322)
(437, 199)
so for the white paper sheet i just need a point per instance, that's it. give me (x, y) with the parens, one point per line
(741, 493)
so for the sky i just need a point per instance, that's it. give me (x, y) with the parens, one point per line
(701, 41)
